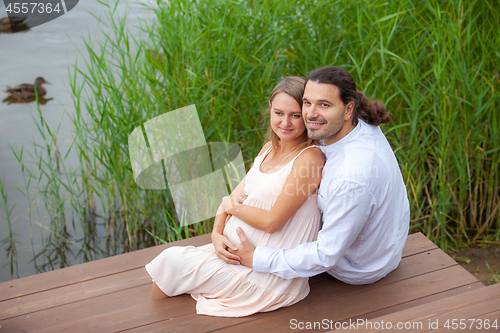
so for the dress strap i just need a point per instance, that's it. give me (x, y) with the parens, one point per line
(268, 150)
(270, 147)
(303, 150)
(290, 163)
(259, 159)
(263, 156)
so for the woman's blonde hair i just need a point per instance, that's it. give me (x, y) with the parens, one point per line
(294, 87)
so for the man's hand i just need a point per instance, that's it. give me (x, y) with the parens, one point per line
(245, 250)
(222, 245)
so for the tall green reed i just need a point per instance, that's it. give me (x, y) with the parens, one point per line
(433, 63)
(10, 240)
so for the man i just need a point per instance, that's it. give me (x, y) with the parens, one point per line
(362, 194)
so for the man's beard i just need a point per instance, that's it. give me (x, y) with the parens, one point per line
(328, 129)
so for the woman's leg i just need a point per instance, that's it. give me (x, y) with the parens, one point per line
(187, 270)
(156, 293)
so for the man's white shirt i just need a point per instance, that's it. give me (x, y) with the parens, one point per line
(366, 215)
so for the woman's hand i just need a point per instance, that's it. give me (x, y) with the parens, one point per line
(221, 245)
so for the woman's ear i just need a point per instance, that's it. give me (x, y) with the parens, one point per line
(269, 103)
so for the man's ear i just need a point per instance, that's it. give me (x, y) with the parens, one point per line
(269, 103)
(349, 111)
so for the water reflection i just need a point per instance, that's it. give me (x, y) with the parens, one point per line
(60, 248)
(11, 252)
(57, 252)
(40, 239)
(14, 100)
(14, 24)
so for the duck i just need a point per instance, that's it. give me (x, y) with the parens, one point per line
(13, 24)
(26, 91)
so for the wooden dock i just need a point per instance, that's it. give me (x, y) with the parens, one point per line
(113, 295)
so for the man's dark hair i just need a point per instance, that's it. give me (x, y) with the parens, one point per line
(371, 112)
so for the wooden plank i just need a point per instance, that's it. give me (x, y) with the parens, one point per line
(119, 320)
(484, 308)
(53, 298)
(478, 303)
(473, 324)
(77, 310)
(89, 271)
(416, 243)
(323, 290)
(85, 308)
(478, 325)
(495, 315)
(483, 303)
(73, 293)
(416, 264)
(57, 297)
(362, 301)
(162, 326)
(410, 266)
(421, 301)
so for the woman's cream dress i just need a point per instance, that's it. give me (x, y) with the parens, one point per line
(225, 290)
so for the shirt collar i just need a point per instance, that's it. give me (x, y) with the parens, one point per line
(329, 150)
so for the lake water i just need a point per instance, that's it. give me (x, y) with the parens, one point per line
(48, 50)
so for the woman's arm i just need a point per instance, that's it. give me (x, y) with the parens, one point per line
(303, 180)
(221, 243)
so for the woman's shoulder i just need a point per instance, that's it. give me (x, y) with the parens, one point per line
(308, 165)
(311, 153)
(264, 148)
(310, 158)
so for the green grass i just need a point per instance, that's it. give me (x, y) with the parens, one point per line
(433, 63)
(495, 278)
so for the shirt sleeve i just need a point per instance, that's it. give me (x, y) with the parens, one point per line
(348, 207)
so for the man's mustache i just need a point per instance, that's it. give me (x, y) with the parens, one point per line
(316, 120)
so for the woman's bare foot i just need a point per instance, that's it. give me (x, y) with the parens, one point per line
(156, 293)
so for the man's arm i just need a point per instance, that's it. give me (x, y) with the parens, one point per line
(348, 207)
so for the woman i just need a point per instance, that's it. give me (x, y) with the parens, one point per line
(280, 210)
